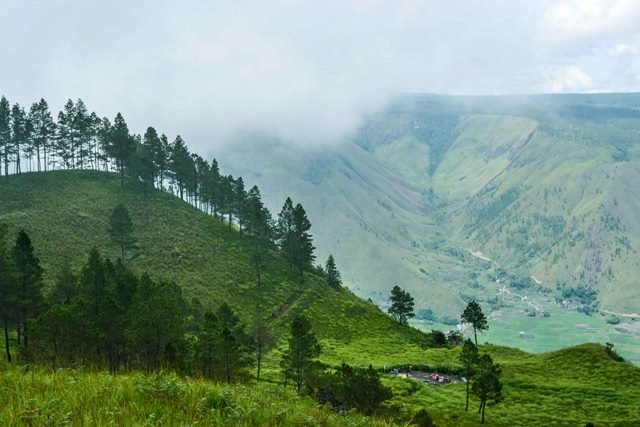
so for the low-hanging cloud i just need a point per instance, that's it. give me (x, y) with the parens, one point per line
(305, 71)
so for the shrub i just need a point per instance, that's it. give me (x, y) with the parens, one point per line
(422, 419)
(359, 388)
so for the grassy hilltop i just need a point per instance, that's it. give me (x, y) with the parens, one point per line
(66, 213)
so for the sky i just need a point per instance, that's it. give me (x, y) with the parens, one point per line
(305, 71)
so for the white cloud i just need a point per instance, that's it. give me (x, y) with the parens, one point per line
(624, 49)
(576, 19)
(558, 79)
(303, 70)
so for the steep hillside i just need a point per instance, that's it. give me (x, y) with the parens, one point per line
(67, 212)
(528, 203)
(380, 227)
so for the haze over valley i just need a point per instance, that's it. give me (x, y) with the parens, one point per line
(340, 213)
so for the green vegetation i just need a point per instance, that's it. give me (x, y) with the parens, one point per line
(435, 188)
(401, 305)
(194, 250)
(179, 244)
(68, 397)
(212, 289)
(474, 316)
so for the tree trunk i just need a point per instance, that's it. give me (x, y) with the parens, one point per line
(484, 403)
(257, 264)
(121, 173)
(6, 339)
(259, 362)
(466, 408)
(26, 343)
(475, 335)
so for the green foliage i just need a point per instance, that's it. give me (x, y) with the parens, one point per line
(121, 229)
(69, 397)
(468, 358)
(474, 316)
(183, 245)
(303, 348)
(26, 294)
(486, 385)
(612, 353)
(422, 419)
(359, 388)
(331, 273)
(401, 305)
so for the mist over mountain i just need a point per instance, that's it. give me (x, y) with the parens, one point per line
(527, 203)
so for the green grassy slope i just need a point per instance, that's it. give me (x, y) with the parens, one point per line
(379, 226)
(66, 397)
(569, 387)
(563, 388)
(66, 213)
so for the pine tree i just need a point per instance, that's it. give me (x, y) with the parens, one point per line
(303, 248)
(473, 315)
(214, 187)
(331, 273)
(303, 348)
(152, 148)
(29, 280)
(468, 359)
(486, 385)
(94, 294)
(259, 229)
(65, 286)
(8, 290)
(207, 344)
(401, 305)
(161, 158)
(66, 139)
(5, 134)
(157, 322)
(21, 133)
(234, 343)
(95, 127)
(121, 229)
(262, 337)
(285, 231)
(120, 145)
(43, 131)
(82, 132)
(228, 185)
(179, 164)
(239, 202)
(103, 132)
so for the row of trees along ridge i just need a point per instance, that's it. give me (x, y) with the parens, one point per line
(79, 139)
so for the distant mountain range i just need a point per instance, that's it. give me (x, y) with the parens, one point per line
(457, 198)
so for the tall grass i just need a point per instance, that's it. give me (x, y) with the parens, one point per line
(41, 397)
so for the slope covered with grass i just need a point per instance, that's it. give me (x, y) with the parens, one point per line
(66, 397)
(67, 212)
(570, 387)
